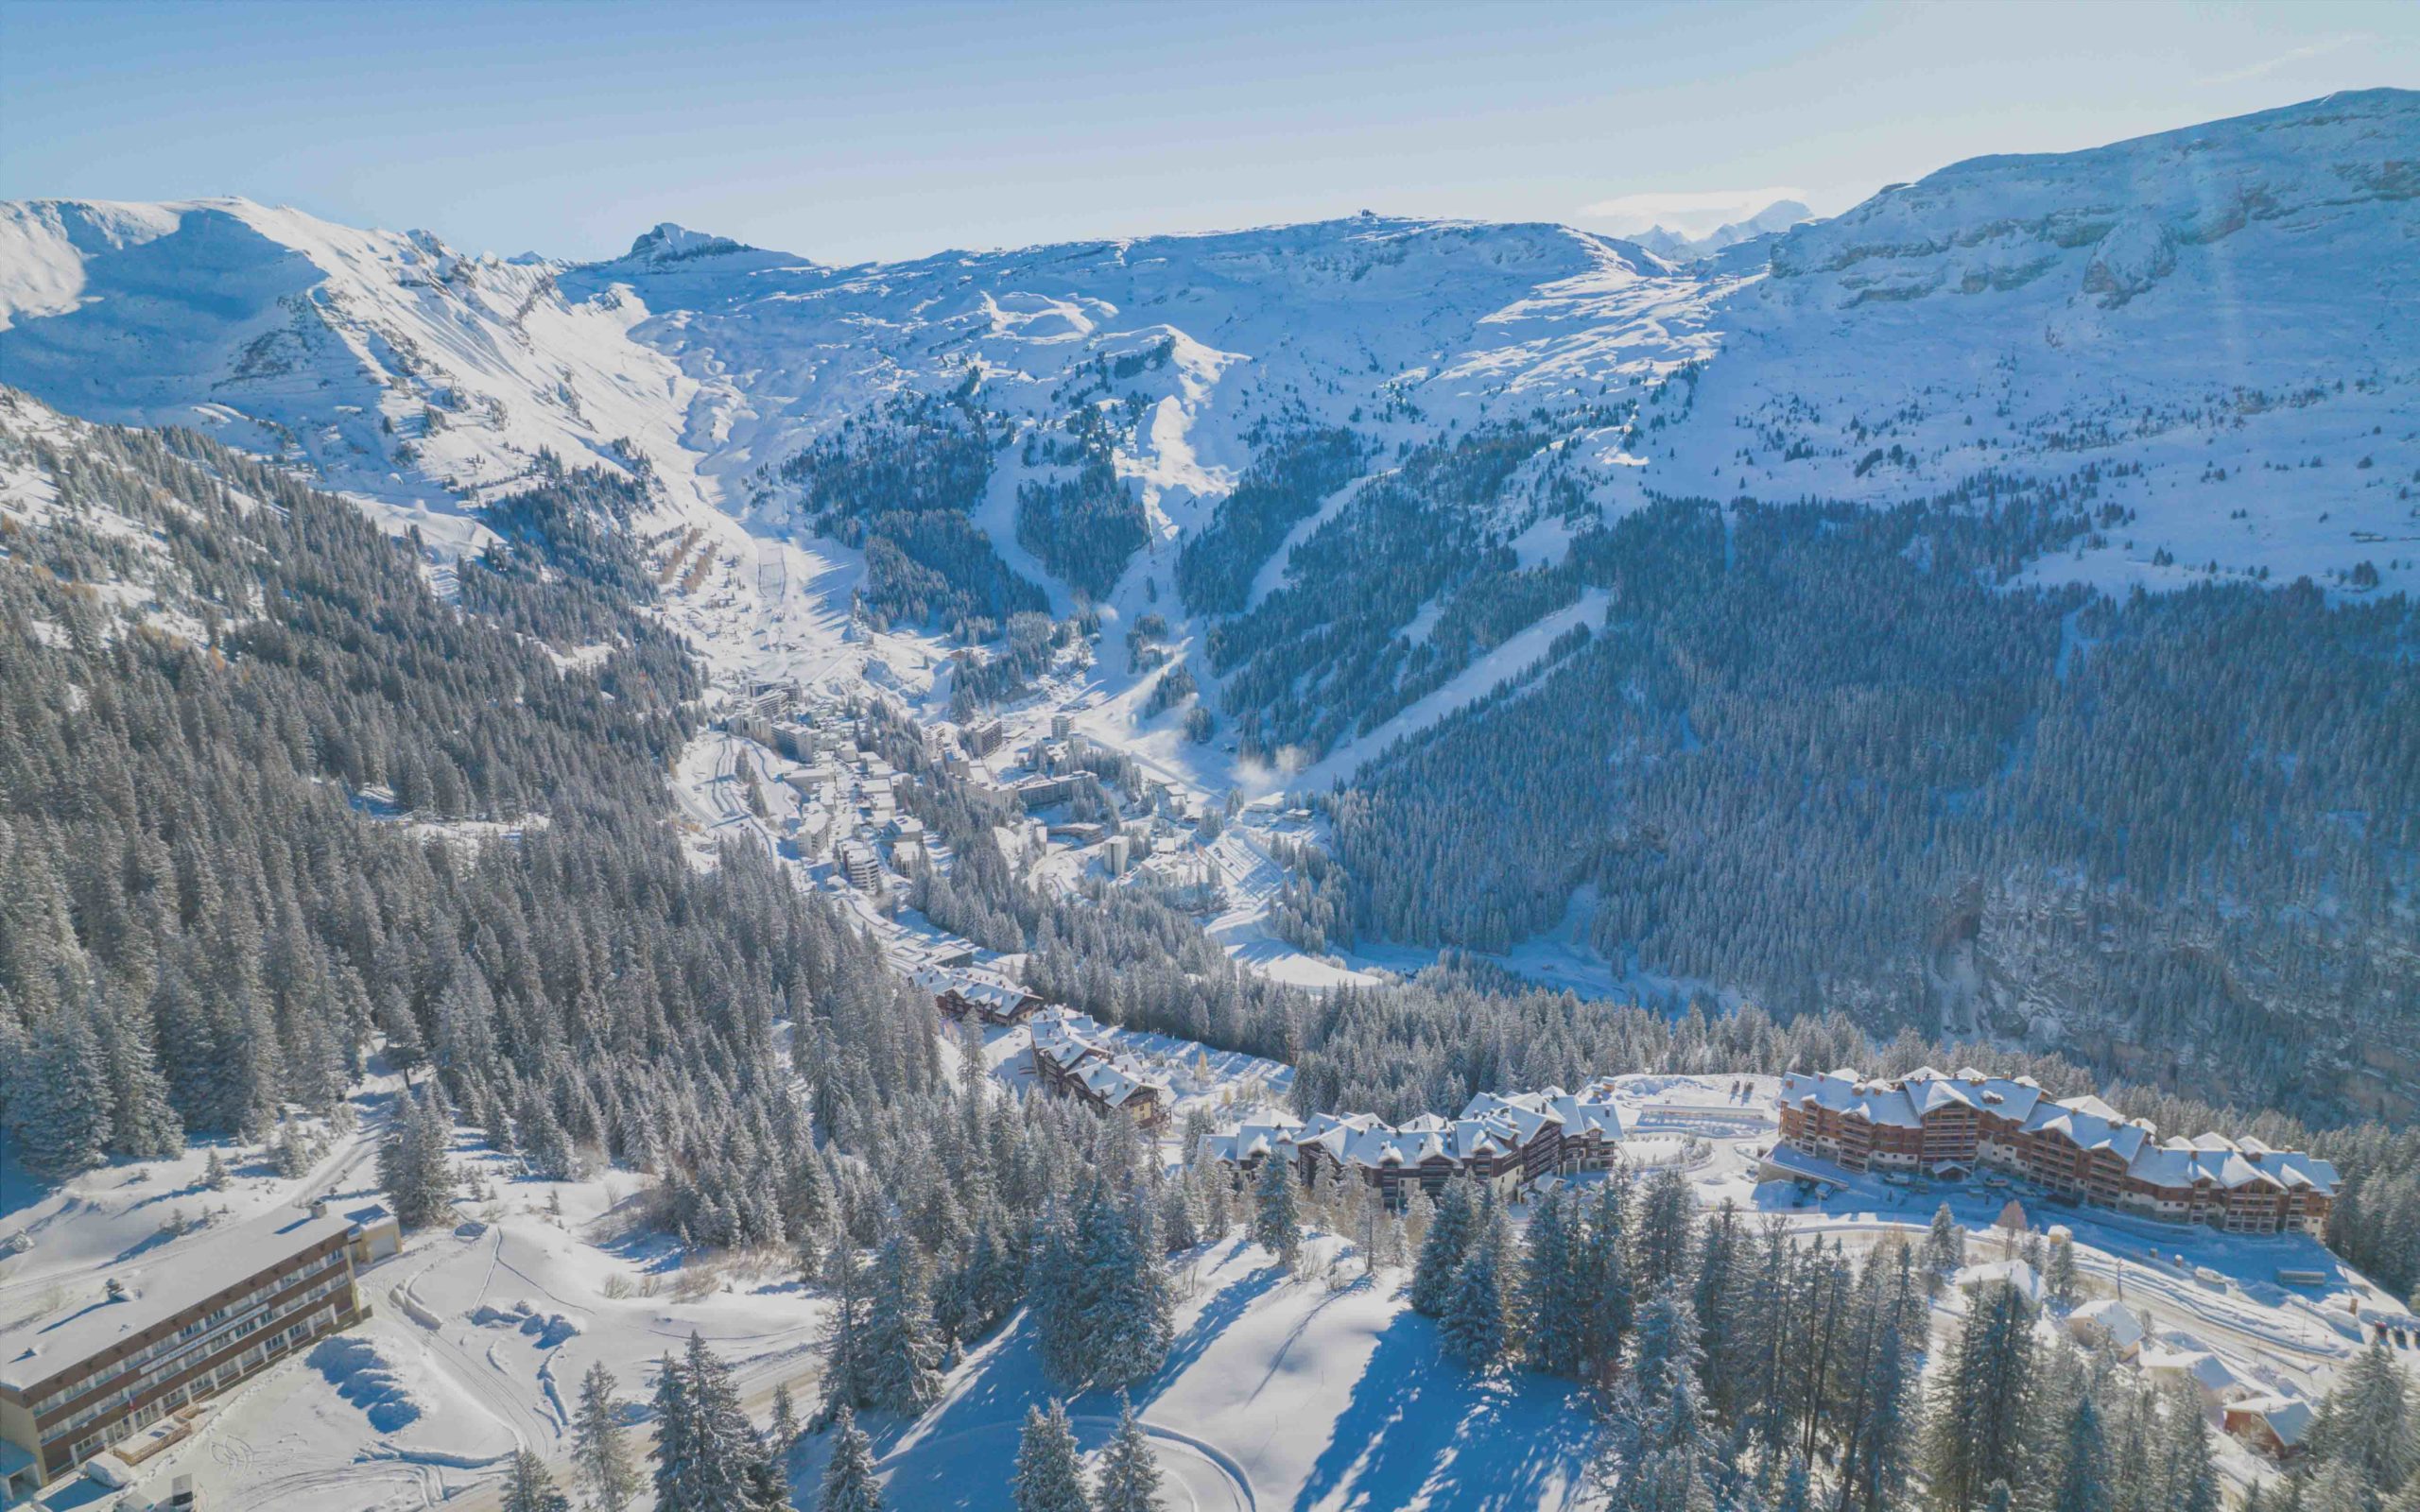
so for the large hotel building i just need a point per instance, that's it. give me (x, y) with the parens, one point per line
(2076, 1148)
(123, 1372)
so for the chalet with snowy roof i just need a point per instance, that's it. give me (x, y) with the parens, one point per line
(2276, 1426)
(994, 1000)
(1501, 1140)
(2079, 1149)
(2108, 1324)
(1072, 1063)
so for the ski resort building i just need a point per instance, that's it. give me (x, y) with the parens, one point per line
(963, 994)
(1503, 1141)
(74, 1384)
(2078, 1149)
(1072, 1063)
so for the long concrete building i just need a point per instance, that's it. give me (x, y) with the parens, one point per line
(2077, 1148)
(111, 1371)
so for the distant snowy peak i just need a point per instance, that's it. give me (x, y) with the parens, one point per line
(2001, 222)
(1678, 247)
(668, 243)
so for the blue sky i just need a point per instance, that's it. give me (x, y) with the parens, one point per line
(893, 130)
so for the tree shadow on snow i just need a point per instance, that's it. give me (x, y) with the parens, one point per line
(1420, 1427)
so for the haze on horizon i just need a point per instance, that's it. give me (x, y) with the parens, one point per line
(849, 135)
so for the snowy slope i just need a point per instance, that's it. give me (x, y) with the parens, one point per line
(2234, 297)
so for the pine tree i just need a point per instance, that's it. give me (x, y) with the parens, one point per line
(2084, 1470)
(848, 1362)
(2059, 1272)
(901, 1352)
(1553, 1288)
(1127, 1291)
(849, 1484)
(783, 1429)
(1049, 1471)
(1604, 1282)
(1129, 1479)
(1474, 1324)
(1981, 1402)
(413, 1165)
(62, 1109)
(767, 1483)
(533, 1489)
(1667, 1229)
(1945, 1247)
(215, 1175)
(598, 1452)
(2365, 1421)
(1277, 1225)
(1442, 1252)
(706, 1451)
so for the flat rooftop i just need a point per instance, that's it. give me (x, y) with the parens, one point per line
(33, 1352)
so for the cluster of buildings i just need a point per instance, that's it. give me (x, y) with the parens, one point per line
(1073, 1060)
(1502, 1141)
(2076, 1149)
(122, 1376)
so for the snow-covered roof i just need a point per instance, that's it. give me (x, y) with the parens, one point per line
(2202, 1368)
(2289, 1417)
(2014, 1273)
(2112, 1319)
(33, 1352)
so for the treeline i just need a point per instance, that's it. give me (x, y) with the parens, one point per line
(1308, 664)
(1084, 528)
(208, 908)
(1288, 479)
(898, 483)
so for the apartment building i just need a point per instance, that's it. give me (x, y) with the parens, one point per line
(1071, 1062)
(74, 1384)
(1503, 1141)
(2079, 1149)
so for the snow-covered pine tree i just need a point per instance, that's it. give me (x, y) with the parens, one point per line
(1442, 1252)
(1945, 1247)
(676, 1446)
(2059, 1276)
(413, 1165)
(767, 1488)
(1129, 1292)
(2084, 1484)
(1603, 1256)
(2367, 1420)
(1049, 1470)
(1551, 1280)
(143, 1123)
(1666, 1240)
(849, 1484)
(1980, 1411)
(1129, 1478)
(600, 1456)
(706, 1450)
(901, 1352)
(1276, 1224)
(847, 1366)
(62, 1108)
(533, 1488)
(781, 1431)
(1474, 1310)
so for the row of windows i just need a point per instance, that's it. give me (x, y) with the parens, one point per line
(224, 1375)
(190, 1331)
(242, 1328)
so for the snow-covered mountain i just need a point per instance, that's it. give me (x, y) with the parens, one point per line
(2234, 299)
(1680, 246)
